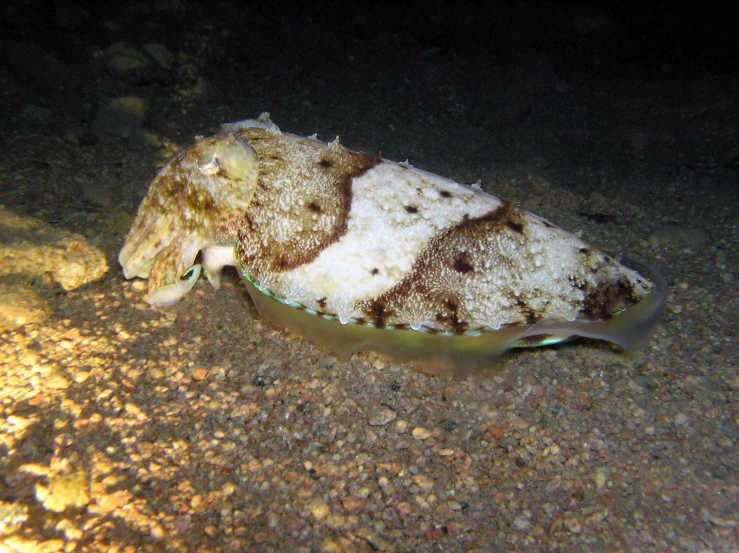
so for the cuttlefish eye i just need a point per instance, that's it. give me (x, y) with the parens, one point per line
(211, 166)
(231, 157)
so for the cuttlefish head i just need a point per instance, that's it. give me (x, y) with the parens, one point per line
(195, 204)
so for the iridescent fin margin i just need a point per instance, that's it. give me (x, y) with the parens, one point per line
(463, 354)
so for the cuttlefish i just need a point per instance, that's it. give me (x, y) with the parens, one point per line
(358, 252)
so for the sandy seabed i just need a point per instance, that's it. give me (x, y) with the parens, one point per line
(198, 428)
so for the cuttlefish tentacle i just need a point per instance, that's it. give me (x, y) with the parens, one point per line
(172, 293)
(173, 262)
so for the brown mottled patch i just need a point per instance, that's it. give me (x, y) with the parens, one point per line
(515, 226)
(228, 223)
(376, 311)
(411, 209)
(301, 204)
(445, 194)
(505, 215)
(375, 271)
(192, 203)
(576, 283)
(442, 270)
(529, 314)
(462, 263)
(449, 316)
(602, 301)
(322, 303)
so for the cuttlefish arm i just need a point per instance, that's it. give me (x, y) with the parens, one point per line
(194, 205)
(168, 282)
(173, 273)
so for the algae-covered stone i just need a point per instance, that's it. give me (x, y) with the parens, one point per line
(34, 256)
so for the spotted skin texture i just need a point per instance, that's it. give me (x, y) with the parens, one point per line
(372, 241)
(301, 204)
(349, 237)
(450, 286)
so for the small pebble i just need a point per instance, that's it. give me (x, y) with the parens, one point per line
(58, 382)
(381, 414)
(421, 433)
(522, 523)
(330, 546)
(319, 509)
(454, 505)
(157, 533)
(138, 286)
(200, 374)
(573, 525)
(228, 489)
(423, 482)
(404, 509)
(64, 491)
(600, 478)
(81, 376)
